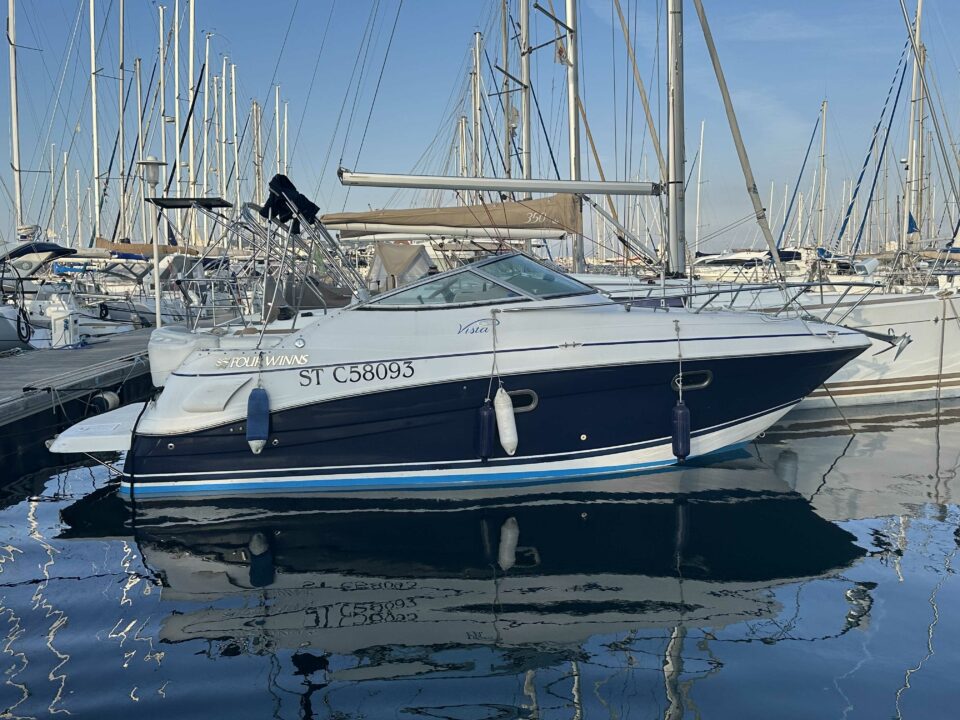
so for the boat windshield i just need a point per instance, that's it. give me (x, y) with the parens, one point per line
(502, 279)
(532, 278)
(461, 288)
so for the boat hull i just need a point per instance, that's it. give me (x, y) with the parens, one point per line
(925, 367)
(591, 422)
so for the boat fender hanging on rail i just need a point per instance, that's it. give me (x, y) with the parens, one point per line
(487, 422)
(104, 401)
(258, 419)
(681, 431)
(506, 422)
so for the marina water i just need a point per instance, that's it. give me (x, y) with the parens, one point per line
(811, 574)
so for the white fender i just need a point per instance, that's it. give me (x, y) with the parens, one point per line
(506, 422)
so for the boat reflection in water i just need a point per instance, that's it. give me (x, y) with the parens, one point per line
(832, 459)
(489, 594)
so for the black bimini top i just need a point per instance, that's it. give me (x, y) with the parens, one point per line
(34, 248)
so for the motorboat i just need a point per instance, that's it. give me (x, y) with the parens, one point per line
(504, 371)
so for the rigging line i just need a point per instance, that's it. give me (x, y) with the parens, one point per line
(52, 115)
(376, 92)
(363, 71)
(186, 125)
(57, 103)
(343, 104)
(613, 81)
(283, 45)
(727, 228)
(796, 186)
(313, 78)
(499, 96)
(57, 106)
(536, 104)
(933, 114)
(129, 176)
(939, 97)
(873, 144)
(493, 132)
(876, 174)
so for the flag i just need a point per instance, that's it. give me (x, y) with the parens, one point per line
(912, 225)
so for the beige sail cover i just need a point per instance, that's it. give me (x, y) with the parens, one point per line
(556, 212)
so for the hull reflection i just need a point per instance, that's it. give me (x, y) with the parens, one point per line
(832, 459)
(396, 586)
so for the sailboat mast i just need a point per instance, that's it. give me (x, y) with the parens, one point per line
(257, 153)
(699, 186)
(176, 97)
(14, 110)
(910, 169)
(477, 108)
(823, 172)
(78, 199)
(236, 144)
(163, 87)
(525, 125)
(921, 145)
(121, 142)
(573, 128)
(507, 105)
(66, 202)
(191, 88)
(276, 127)
(204, 158)
(93, 120)
(223, 129)
(676, 258)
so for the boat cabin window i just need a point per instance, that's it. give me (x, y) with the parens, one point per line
(458, 289)
(532, 278)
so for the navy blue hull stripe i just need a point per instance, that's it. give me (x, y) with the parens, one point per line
(453, 466)
(583, 413)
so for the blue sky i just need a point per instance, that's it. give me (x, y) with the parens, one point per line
(781, 59)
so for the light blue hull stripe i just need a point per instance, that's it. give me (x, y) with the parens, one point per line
(413, 482)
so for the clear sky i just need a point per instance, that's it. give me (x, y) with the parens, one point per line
(781, 59)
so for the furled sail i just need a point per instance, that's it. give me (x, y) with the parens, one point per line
(552, 215)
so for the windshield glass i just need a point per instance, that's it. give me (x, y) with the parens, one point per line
(457, 289)
(533, 278)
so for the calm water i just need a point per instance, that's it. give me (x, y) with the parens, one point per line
(812, 576)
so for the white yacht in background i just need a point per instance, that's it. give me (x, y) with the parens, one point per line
(912, 330)
(502, 372)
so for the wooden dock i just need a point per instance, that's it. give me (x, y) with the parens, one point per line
(43, 391)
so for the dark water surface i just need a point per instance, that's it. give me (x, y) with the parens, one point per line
(811, 576)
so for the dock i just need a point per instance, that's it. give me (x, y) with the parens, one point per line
(44, 391)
